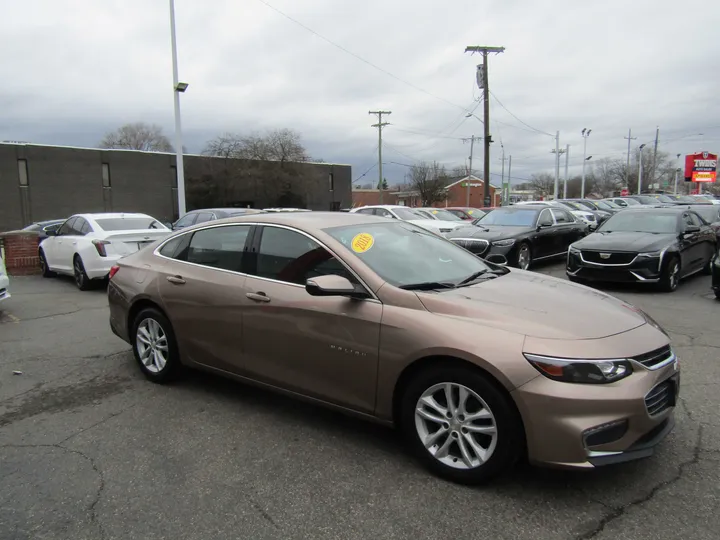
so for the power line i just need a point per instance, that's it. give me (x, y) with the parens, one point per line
(401, 153)
(358, 57)
(425, 133)
(516, 118)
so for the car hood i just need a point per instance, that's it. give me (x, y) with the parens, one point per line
(537, 305)
(489, 232)
(625, 241)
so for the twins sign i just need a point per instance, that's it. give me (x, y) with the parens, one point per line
(701, 167)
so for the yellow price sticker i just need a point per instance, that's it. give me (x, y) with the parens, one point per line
(362, 242)
(434, 211)
(470, 212)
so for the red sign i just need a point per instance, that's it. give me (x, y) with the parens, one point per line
(624, 192)
(701, 167)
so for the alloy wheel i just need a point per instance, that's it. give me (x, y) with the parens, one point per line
(79, 272)
(456, 426)
(524, 257)
(674, 275)
(152, 345)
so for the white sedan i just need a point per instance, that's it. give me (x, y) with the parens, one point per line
(411, 215)
(4, 281)
(86, 246)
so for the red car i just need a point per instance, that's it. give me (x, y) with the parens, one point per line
(466, 213)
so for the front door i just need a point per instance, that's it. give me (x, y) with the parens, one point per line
(545, 237)
(323, 347)
(65, 245)
(202, 288)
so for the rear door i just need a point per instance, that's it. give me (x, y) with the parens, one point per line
(566, 230)
(324, 347)
(544, 244)
(201, 286)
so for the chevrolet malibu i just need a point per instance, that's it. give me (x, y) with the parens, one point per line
(477, 365)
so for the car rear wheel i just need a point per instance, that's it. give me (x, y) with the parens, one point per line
(670, 277)
(155, 346)
(81, 279)
(45, 269)
(524, 256)
(460, 424)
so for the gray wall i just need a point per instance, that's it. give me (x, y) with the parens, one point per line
(62, 181)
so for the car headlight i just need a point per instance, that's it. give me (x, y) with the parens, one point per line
(504, 243)
(650, 254)
(574, 370)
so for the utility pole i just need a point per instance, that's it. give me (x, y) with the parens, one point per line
(557, 153)
(482, 80)
(585, 135)
(627, 167)
(469, 180)
(676, 180)
(640, 169)
(178, 88)
(509, 182)
(567, 157)
(502, 181)
(380, 125)
(652, 175)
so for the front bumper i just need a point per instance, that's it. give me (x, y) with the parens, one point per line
(585, 426)
(639, 270)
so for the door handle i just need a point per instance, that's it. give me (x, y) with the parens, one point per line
(178, 280)
(258, 296)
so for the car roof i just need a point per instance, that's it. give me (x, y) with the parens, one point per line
(674, 209)
(239, 209)
(112, 215)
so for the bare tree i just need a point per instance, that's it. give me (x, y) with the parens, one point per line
(607, 176)
(279, 145)
(429, 180)
(543, 184)
(138, 136)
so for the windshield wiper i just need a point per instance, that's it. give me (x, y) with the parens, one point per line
(427, 286)
(472, 277)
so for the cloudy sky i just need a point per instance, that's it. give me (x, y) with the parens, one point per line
(73, 69)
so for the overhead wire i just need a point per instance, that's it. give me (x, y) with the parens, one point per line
(518, 119)
(358, 57)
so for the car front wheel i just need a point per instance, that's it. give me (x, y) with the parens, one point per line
(460, 424)
(524, 256)
(154, 346)
(670, 277)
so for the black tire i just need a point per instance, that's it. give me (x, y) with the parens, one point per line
(708, 268)
(83, 282)
(523, 247)
(510, 438)
(172, 367)
(670, 277)
(46, 272)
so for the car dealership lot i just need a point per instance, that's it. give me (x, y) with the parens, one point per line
(90, 449)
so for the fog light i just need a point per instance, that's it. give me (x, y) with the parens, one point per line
(605, 433)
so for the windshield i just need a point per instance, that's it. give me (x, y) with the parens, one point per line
(408, 213)
(573, 205)
(403, 254)
(442, 215)
(630, 202)
(645, 199)
(606, 205)
(641, 221)
(663, 198)
(129, 224)
(510, 216)
(685, 198)
(587, 205)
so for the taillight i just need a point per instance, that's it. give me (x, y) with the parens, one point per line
(100, 246)
(113, 271)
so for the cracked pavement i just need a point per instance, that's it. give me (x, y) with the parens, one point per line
(90, 450)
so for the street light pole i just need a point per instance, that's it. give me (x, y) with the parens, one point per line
(585, 134)
(676, 181)
(567, 157)
(177, 90)
(640, 169)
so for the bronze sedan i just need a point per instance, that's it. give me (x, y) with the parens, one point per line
(476, 364)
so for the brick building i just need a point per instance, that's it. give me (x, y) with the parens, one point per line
(456, 194)
(52, 182)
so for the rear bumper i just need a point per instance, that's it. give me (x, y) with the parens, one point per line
(119, 308)
(99, 267)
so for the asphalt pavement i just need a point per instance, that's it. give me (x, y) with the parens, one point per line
(90, 450)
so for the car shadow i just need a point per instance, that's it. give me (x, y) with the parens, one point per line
(524, 481)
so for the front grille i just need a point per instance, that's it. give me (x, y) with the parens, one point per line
(598, 257)
(660, 398)
(477, 246)
(606, 274)
(654, 358)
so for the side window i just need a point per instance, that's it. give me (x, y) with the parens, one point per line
(80, 227)
(186, 220)
(545, 217)
(219, 247)
(202, 217)
(67, 227)
(369, 211)
(292, 257)
(170, 248)
(697, 220)
(561, 216)
(86, 228)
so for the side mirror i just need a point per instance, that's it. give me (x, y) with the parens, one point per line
(51, 230)
(544, 224)
(692, 229)
(332, 285)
